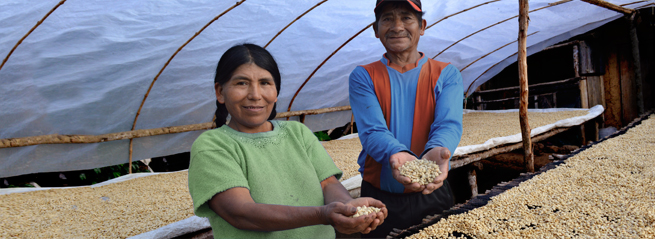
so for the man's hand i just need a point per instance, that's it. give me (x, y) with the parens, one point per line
(396, 161)
(371, 202)
(441, 156)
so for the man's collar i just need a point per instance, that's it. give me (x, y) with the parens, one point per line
(405, 68)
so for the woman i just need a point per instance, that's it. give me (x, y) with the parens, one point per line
(258, 178)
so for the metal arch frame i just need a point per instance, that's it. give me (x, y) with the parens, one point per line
(495, 24)
(187, 42)
(164, 67)
(292, 22)
(357, 34)
(63, 1)
(491, 52)
(30, 32)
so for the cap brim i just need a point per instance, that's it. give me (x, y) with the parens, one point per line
(416, 8)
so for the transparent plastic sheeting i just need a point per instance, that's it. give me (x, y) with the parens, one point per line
(86, 69)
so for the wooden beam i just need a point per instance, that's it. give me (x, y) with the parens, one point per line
(612, 88)
(523, 82)
(610, 6)
(312, 112)
(89, 139)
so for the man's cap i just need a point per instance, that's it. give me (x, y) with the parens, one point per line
(416, 4)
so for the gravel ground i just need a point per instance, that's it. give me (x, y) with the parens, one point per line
(605, 191)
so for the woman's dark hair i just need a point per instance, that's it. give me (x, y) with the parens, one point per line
(231, 60)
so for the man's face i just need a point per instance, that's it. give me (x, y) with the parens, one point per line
(398, 28)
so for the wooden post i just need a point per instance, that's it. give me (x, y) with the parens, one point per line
(473, 182)
(352, 121)
(130, 157)
(523, 82)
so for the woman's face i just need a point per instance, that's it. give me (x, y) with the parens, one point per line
(249, 97)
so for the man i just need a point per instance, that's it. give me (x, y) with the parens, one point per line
(406, 106)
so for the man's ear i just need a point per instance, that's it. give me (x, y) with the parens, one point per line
(375, 29)
(423, 27)
(219, 94)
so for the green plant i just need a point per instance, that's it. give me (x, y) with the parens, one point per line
(322, 136)
(25, 185)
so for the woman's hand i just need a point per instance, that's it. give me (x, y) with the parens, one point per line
(338, 215)
(378, 216)
(340, 206)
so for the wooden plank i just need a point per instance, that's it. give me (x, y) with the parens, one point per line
(612, 85)
(601, 82)
(584, 98)
(628, 87)
(586, 60)
(594, 91)
(636, 59)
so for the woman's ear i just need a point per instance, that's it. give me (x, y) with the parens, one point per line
(219, 95)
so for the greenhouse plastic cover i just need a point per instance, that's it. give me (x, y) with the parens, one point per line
(86, 69)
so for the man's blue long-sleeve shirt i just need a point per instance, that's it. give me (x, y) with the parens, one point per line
(380, 141)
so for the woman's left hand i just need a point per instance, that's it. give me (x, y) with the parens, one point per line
(371, 202)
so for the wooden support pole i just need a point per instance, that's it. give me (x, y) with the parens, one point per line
(312, 112)
(473, 182)
(610, 6)
(523, 82)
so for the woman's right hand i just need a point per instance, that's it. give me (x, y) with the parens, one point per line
(338, 215)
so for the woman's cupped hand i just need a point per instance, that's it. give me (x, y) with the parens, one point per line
(338, 214)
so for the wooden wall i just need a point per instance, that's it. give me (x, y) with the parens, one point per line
(606, 70)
